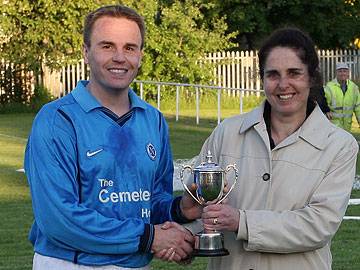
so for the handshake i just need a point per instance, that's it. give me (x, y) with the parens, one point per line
(173, 242)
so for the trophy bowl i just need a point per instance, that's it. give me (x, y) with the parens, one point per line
(210, 181)
(210, 185)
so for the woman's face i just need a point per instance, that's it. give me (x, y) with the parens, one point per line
(286, 83)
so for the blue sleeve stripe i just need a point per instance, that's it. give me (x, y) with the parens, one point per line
(147, 238)
(176, 214)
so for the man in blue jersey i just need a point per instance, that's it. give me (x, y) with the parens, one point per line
(99, 164)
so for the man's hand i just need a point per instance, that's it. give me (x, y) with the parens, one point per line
(189, 207)
(172, 242)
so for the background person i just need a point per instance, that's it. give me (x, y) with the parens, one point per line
(99, 163)
(343, 98)
(296, 169)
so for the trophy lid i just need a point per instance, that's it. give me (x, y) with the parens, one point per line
(209, 165)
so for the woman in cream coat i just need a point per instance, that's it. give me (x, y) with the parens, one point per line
(296, 169)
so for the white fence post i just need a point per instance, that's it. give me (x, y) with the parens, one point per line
(197, 104)
(158, 96)
(241, 101)
(141, 90)
(177, 102)
(219, 105)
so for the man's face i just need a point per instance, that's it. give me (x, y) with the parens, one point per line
(114, 54)
(342, 74)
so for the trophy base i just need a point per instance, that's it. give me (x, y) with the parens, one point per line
(209, 244)
(210, 253)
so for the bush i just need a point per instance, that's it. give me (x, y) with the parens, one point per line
(14, 107)
(15, 85)
(40, 97)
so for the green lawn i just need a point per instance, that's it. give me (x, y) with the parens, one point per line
(186, 139)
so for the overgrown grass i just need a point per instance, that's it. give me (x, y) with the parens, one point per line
(186, 138)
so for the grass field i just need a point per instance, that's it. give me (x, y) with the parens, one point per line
(186, 138)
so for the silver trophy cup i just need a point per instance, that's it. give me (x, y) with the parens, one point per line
(210, 181)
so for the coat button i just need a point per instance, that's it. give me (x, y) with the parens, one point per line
(266, 177)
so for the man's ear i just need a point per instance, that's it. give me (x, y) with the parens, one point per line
(141, 56)
(85, 53)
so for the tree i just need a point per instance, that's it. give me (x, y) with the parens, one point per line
(178, 39)
(245, 17)
(42, 31)
(331, 23)
(49, 31)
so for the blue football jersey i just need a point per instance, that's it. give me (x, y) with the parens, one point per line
(95, 184)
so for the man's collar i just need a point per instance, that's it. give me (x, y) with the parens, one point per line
(337, 82)
(88, 102)
(136, 101)
(85, 99)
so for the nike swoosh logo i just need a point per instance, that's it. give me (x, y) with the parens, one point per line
(90, 154)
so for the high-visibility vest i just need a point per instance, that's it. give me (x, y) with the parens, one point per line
(342, 106)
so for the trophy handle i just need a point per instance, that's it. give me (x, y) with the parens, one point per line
(184, 185)
(233, 166)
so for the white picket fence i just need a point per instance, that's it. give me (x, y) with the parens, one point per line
(237, 70)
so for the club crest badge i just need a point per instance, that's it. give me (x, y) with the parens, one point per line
(151, 151)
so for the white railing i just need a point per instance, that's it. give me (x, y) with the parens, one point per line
(198, 88)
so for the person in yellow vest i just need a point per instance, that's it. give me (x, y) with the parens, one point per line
(343, 98)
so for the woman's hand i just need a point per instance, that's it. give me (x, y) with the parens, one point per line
(220, 217)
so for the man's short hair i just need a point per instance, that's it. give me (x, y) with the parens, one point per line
(116, 11)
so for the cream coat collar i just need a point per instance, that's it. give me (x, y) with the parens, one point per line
(315, 130)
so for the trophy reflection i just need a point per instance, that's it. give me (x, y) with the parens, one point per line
(210, 181)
